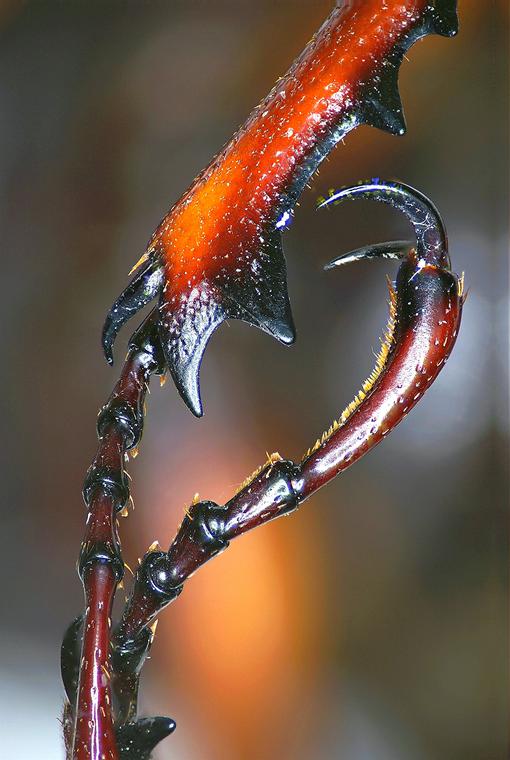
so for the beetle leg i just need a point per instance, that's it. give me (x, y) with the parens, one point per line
(425, 311)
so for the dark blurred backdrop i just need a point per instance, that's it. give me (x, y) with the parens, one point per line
(372, 624)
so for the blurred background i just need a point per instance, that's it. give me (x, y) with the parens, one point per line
(372, 624)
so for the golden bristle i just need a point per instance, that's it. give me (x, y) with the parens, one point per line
(128, 568)
(139, 263)
(271, 459)
(460, 285)
(380, 363)
(194, 500)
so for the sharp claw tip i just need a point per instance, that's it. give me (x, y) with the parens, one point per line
(338, 262)
(280, 328)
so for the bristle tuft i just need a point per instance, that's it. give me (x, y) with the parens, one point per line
(270, 459)
(380, 363)
(460, 285)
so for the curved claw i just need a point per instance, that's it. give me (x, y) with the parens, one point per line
(184, 335)
(396, 249)
(431, 239)
(425, 312)
(142, 289)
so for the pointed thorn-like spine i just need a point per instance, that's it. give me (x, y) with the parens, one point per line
(184, 340)
(142, 289)
(382, 107)
(137, 740)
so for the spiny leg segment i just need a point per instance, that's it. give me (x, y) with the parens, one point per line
(425, 310)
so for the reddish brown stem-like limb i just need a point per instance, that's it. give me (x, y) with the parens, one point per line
(205, 531)
(94, 734)
(425, 311)
(281, 486)
(101, 566)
